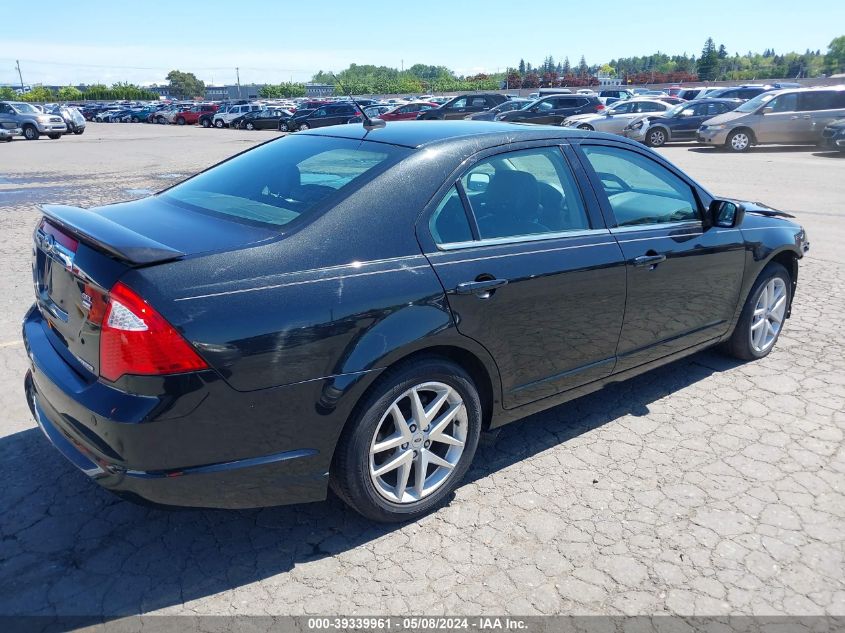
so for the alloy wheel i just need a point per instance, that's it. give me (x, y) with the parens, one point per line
(418, 442)
(768, 315)
(656, 138)
(740, 141)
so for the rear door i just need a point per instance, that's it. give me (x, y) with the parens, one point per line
(683, 280)
(529, 269)
(822, 107)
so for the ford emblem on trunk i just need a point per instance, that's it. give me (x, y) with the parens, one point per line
(48, 243)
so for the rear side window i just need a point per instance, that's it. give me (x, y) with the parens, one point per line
(528, 192)
(278, 182)
(449, 223)
(821, 100)
(639, 190)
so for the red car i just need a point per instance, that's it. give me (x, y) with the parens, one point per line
(192, 114)
(407, 112)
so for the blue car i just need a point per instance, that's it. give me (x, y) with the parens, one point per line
(679, 123)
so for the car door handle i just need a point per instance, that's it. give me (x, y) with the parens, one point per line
(648, 260)
(483, 288)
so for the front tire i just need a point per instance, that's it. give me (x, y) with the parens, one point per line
(53, 137)
(302, 127)
(219, 124)
(31, 133)
(586, 128)
(411, 442)
(738, 141)
(180, 120)
(655, 137)
(763, 315)
(250, 126)
(206, 123)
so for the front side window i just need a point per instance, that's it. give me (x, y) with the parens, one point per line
(785, 103)
(459, 103)
(529, 192)
(278, 182)
(639, 190)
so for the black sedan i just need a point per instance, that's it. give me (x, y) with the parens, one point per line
(325, 115)
(507, 106)
(554, 109)
(351, 307)
(463, 105)
(267, 119)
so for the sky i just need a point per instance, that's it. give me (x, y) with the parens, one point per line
(274, 41)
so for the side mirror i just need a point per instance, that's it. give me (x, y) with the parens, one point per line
(725, 213)
(478, 182)
(767, 110)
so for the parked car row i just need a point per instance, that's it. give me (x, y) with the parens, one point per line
(24, 119)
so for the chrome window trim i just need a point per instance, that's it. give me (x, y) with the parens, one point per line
(519, 239)
(658, 225)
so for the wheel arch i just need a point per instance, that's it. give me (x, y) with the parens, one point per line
(789, 260)
(744, 128)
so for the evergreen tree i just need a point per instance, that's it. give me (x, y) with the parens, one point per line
(566, 67)
(723, 52)
(708, 63)
(583, 69)
(522, 67)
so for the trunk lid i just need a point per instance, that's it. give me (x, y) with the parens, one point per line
(80, 254)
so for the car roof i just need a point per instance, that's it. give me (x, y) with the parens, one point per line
(419, 134)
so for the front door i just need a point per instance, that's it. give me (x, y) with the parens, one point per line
(683, 279)
(530, 271)
(784, 123)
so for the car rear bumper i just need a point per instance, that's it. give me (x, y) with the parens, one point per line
(8, 133)
(210, 447)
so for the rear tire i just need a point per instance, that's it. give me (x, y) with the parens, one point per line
(762, 317)
(250, 126)
(302, 127)
(206, 123)
(283, 127)
(53, 137)
(180, 120)
(356, 475)
(78, 132)
(586, 128)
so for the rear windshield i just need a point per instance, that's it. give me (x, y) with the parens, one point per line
(281, 181)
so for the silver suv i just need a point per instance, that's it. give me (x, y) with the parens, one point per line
(788, 117)
(30, 120)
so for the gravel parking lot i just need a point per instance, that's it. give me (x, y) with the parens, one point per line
(707, 487)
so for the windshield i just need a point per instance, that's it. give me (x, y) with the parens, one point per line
(752, 104)
(25, 108)
(278, 182)
(675, 111)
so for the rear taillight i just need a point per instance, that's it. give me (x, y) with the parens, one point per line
(137, 340)
(599, 107)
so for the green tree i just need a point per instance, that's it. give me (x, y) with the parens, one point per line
(69, 93)
(522, 67)
(834, 60)
(39, 94)
(583, 69)
(566, 69)
(283, 90)
(185, 85)
(708, 63)
(7, 93)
